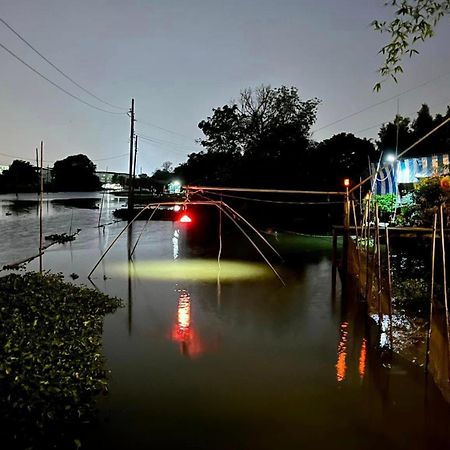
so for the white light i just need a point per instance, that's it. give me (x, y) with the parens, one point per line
(176, 183)
(390, 158)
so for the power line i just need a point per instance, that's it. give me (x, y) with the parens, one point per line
(22, 158)
(164, 129)
(57, 85)
(379, 103)
(57, 68)
(177, 148)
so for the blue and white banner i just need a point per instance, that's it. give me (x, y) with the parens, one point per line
(411, 170)
(386, 180)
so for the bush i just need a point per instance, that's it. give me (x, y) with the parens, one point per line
(51, 367)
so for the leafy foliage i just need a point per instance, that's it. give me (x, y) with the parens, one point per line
(386, 203)
(51, 367)
(402, 132)
(75, 173)
(415, 21)
(20, 177)
(343, 155)
(262, 139)
(427, 196)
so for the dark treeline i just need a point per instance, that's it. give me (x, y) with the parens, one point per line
(264, 140)
(74, 173)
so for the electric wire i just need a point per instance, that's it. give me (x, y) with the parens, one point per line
(22, 158)
(348, 116)
(163, 129)
(165, 142)
(57, 85)
(401, 154)
(57, 68)
(175, 147)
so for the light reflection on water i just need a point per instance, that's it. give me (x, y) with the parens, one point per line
(253, 365)
(184, 332)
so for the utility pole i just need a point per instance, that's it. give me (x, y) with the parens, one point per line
(135, 158)
(130, 175)
(41, 193)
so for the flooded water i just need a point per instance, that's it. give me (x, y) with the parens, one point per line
(215, 353)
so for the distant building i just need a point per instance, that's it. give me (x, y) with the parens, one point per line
(106, 177)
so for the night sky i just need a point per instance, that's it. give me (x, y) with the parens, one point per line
(181, 58)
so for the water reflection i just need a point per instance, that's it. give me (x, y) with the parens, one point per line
(341, 365)
(183, 332)
(176, 243)
(362, 359)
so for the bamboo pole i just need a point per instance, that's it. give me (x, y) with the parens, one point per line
(271, 191)
(378, 247)
(143, 228)
(368, 256)
(251, 241)
(356, 232)
(334, 265)
(444, 272)
(253, 228)
(116, 239)
(388, 251)
(433, 257)
(41, 193)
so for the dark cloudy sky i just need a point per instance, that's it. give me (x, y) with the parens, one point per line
(181, 58)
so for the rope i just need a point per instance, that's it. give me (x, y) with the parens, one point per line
(271, 201)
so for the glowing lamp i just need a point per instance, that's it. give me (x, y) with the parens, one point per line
(185, 219)
(346, 182)
(445, 183)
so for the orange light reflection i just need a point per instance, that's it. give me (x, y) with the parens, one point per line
(362, 359)
(341, 365)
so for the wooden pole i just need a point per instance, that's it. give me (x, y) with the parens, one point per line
(356, 232)
(433, 257)
(41, 192)
(101, 203)
(130, 172)
(346, 237)
(388, 251)
(444, 272)
(377, 236)
(38, 172)
(334, 264)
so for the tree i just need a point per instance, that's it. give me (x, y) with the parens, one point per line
(20, 177)
(401, 133)
(343, 155)
(263, 138)
(167, 166)
(415, 21)
(75, 173)
(395, 135)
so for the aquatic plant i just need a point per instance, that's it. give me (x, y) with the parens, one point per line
(51, 366)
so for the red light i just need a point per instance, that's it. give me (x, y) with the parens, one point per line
(347, 182)
(185, 219)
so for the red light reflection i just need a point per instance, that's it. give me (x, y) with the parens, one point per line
(183, 331)
(185, 219)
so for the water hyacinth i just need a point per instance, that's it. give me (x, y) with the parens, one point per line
(51, 365)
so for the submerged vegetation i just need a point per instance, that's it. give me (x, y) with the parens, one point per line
(51, 366)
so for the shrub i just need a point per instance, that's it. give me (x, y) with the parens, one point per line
(51, 366)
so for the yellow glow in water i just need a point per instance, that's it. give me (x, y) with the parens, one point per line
(194, 269)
